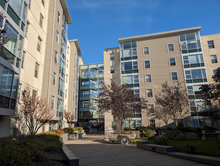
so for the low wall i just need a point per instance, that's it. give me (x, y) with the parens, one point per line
(64, 138)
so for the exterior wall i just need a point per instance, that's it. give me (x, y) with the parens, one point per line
(160, 69)
(11, 54)
(207, 52)
(108, 76)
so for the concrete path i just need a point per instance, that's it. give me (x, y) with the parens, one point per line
(92, 152)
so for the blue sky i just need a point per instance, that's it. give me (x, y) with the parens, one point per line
(98, 24)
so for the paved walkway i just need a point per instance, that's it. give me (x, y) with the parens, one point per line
(92, 152)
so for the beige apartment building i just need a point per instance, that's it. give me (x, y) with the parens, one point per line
(49, 66)
(146, 61)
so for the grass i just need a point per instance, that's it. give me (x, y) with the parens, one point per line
(204, 147)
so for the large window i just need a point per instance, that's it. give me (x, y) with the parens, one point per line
(195, 60)
(131, 80)
(190, 42)
(10, 38)
(195, 76)
(61, 87)
(148, 78)
(128, 50)
(129, 67)
(5, 81)
(194, 92)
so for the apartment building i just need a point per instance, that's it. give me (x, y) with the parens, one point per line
(146, 61)
(13, 22)
(36, 54)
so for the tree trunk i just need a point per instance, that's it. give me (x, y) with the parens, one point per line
(121, 126)
(167, 125)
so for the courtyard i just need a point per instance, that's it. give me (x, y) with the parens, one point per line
(93, 152)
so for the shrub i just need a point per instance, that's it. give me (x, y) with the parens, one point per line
(28, 150)
(59, 133)
(190, 148)
(159, 140)
(146, 128)
(181, 137)
(126, 129)
(189, 129)
(77, 128)
(68, 130)
(149, 133)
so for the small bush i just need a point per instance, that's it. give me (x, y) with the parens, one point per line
(189, 129)
(68, 130)
(146, 128)
(149, 133)
(59, 133)
(126, 129)
(190, 148)
(77, 128)
(159, 140)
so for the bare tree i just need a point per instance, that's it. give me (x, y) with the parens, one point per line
(173, 100)
(35, 111)
(121, 100)
(161, 113)
(69, 117)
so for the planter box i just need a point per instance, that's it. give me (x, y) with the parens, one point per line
(141, 143)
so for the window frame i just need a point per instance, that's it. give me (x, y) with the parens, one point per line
(112, 67)
(43, 2)
(39, 44)
(112, 58)
(36, 71)
(215, 60)
(211, 45)
(54, 78)
(176, 76)
(57, 37)
(145, 64)
(148, 93)
(148, 51)
(53, 102)
(148, 79)
(41, 20)
(169, 48)
(171, 62)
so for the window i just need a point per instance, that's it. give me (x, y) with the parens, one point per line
(147, 64)
(146, 50)
(152, 123)
(41, 20)
(85, 103)
(195, 76)
(150, 108)
(36, 70)
(22, 61)
(195, 60)
(112, 69)
(55, 58)
(85, 93)
(39, 44)
(174, 76)
(128, 50)
(211, 44)
(129, 67)
(132, 80)
(214, 71)
(172, 62)
(148, 78)
(170, 47)
(190, 42)
(66, 78)
(42, 1)
(58, 17)
(137, 93)
(112, 57)
(52, 102)
(54, 78)
(149, 93)
(57, 36)
(214, 59)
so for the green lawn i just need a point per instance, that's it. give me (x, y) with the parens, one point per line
(206, 147)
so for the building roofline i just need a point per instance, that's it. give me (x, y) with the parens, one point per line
(77, 46)
(111, 48)
(160, 34)
(66, 11)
